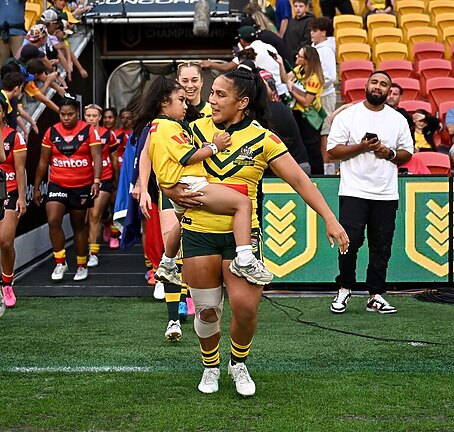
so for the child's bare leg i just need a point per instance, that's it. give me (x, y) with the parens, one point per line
(172, 243)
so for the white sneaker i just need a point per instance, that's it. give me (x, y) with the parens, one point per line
(173, 332)
(81, 274)
(255, 273)
(167, 272)
(59, 271)
(243, 381)
(378, 304)
(340, 302)
(2, 304)
(93, 261)
(210, 380)
(159, 293)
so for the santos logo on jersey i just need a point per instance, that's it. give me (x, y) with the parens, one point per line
(70, 163)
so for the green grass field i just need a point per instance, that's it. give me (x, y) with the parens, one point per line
(102, 364)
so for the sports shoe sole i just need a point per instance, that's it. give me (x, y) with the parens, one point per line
(381, 311)
(248, 277)
(337, 311)
(162, 277)
(174, 337)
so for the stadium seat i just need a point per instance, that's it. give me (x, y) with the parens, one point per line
(385, 34)
(354, 69)
(390, 51)
(438, 163)
(420, 34)
(448, 39)
(351, 35)
(408, 21)
(347, 21)
(443, 108)
(358, 6)
(404, 7)
(443, 21)
(397, 68)
(380, 20)
(412, 105)
(354, 51)
(426, 50)
(33, 12)
(355, 89)
(410, 86)
(432, 68)
(439, 90)
(437, 7)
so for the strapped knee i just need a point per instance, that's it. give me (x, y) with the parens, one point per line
(207, 299)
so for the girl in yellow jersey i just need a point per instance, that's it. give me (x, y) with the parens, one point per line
(208, 242)
(175, 159)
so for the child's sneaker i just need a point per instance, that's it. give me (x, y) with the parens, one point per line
(191, 306)
(168, 272)
(255, 273)
(173, 332)
(93, 261)
(182, 311)
(2, 304)
(8, 296)
(59, 271)
(114, 243)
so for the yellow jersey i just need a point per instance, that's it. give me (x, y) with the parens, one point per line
(171, 146)
(420, 141)
(239, 166)
(204, 108)
(312, 86)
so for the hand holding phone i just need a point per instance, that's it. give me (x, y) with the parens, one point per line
(371, 136)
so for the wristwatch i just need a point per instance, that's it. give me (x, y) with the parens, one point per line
(391, 155)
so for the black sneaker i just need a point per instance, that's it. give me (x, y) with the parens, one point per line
(378, 304)
(340, 302)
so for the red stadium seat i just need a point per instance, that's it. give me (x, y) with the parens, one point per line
(410, 87)
(354, 69)
(432, 68)
(438, 163)
(355, 89)
(427, 50)
(397, 68)
(439, 90)
(412, 105)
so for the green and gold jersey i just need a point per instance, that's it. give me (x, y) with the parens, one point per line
(239, 166)
(312, 85)
(204, 108)
(171, 146)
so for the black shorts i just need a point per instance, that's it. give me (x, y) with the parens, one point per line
(73, 198)
(11, 202)
(164, 202)
(203, 244)
(106, 186)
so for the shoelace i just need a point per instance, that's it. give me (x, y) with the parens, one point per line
(209, 376)
(242, 374)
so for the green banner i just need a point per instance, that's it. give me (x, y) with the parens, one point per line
(296, 248)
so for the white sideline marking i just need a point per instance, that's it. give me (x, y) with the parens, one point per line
(78, 369)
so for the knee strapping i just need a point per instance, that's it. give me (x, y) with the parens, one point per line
(207, 299)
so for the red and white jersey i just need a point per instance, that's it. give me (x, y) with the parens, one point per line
(13, 143)
(122, 138)
(71, 165)
(109, 145)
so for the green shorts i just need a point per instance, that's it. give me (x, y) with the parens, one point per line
(164, 202)
(203, 244)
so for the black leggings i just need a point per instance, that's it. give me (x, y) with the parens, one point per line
(329, 7)
(380, 218)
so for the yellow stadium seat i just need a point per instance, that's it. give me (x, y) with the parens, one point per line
(358, 7)
(381, 20)
(390, 51)
(448, 38)
(437, 7)
(409, 6)
(408, 21)
(354, 51)
(385, 34)
(420, 34)
(351, 35)
(33, 13)
(443, 21)
(347, 21)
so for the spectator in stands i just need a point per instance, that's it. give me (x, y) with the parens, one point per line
(53, 80)
(378, 7)
(298, 31)
(37, 37)
(63, 11)
(12, 27)
(254, 12)
(393, 100)
(449, 122)
(282, 15)
(14, 206)
(426, 125)
(329, 7)
(12, 88)
(305, 84)
(74, 148)
(325, 44)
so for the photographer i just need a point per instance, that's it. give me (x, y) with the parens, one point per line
(369, 138)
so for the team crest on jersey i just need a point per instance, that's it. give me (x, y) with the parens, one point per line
(80, 137)
(245, 158)
(103, 141)
(67, 138)
(7, 146)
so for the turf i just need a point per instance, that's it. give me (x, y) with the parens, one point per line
(308, 379)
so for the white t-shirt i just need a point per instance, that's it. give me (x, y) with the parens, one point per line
(366, 176)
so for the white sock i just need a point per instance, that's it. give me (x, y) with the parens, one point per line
(245, 255)
(166, 260)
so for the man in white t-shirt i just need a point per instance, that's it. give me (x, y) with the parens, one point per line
(370, 139)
